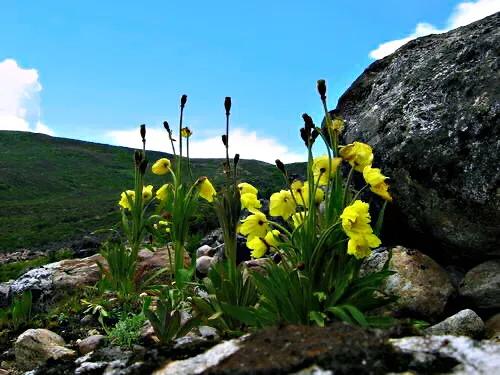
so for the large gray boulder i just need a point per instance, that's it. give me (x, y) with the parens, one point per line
(431, 112)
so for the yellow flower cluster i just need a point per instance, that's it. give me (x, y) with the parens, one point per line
(248, 197)
(147, 194)
(260, 245)
(356, 224)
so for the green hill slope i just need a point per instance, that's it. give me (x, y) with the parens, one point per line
(53, 190)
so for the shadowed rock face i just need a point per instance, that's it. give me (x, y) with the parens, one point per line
(431, 112)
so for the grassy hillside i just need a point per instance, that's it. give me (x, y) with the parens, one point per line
(53, 190)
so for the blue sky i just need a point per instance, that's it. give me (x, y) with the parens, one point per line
(95, 70)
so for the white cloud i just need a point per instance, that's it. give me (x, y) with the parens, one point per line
(248, 144)
(20, 99)
(463, 14)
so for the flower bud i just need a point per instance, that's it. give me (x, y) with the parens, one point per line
(322, 89)
(166, 126)
(184, 99)
(143, 132)
(280, 166)
(224, 140)
(308, 122)
(227, 105)
(236, 159)
(143, 166)
(138, 157)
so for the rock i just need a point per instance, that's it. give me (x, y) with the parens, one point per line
(423, 287)
(85, 247)
(463, 323)
(492, 326)
(473, 357)
(87, 319)
(5, 293)
(203, 264)
(53, 281)
(430, 111)
(35, 346)
(481, 285)
(90, 343)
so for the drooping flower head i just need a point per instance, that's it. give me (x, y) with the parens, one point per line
(206, 189)
(282, 204)
(260, 245)
(186, 132)
(162, 192)
(247, 188)
(358, 154)
(161, 166)
(356, 218)
(124, 201)
(255, 225)
(376, 180)
(324, 169)
(147, 192)
(250, 202)
(360, 245)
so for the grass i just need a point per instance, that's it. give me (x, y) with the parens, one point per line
(55, 190)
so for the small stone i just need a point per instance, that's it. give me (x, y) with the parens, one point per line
(481, 285)
(208, 332)
(493, 328)
(88, 368)
(35, 346)
(463, 323)
(204, 250)
(203, 264)
(4, 293)
(90, 343)
(87, 319)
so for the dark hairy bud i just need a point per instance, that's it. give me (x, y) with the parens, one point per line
(143, 166)
(280, 166)
(184, 99)
(138, 157)
(236, 159)
(143, 132)
(322, 88)
(314, 135)
(308, 121)
(224, 140)
(304, 135)
(227, 105)
(166, 126)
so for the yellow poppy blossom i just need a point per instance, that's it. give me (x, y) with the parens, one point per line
(324, 168)
(247, 188)
(319, 195)
(297, 187)
(124, 201)
(282, 204)
(255, 225)
(298, 218)
(147, 192)
(186, 132)
(162, 193)
(250, 201)
(207, 190)
(376, 180)
(360, 245)
(161, 166)
(358, 154)
(260, 246)
(356, 219)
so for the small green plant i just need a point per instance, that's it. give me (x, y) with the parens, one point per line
(166, 318)
(97, 310)
(19, 313)
(127, 331)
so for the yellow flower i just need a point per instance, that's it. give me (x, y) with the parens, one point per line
(250, 202)
(298, 218)
(318, 196)
(260, 246)
(324, 169)
(282, 204)
(356, 219)
(161, 166)
(207, 190)
(360, 245)
(247, 188)
(147, 192)
(124, 202)
(358, 154)
(338, 124)
(255, 225)
(186, 132)
(376, 180)
(162, 193)
(297, 187)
